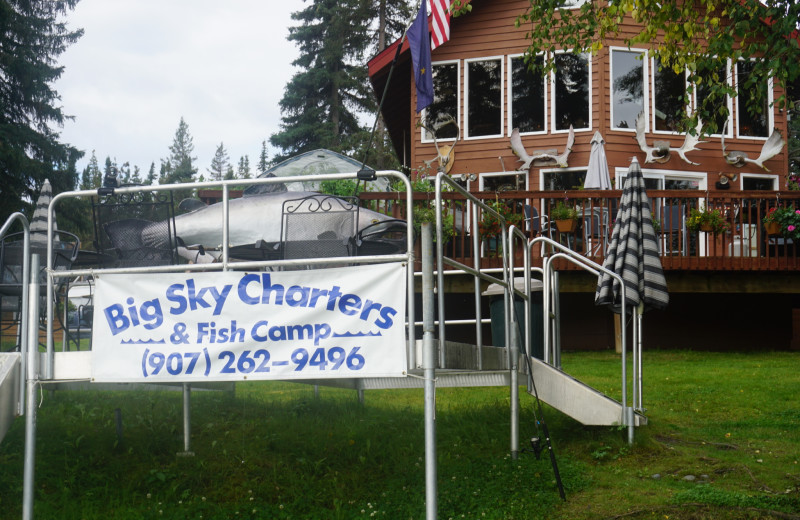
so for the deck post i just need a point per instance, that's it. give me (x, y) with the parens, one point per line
(429, 372)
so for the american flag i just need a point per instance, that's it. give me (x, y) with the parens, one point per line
(441, 22)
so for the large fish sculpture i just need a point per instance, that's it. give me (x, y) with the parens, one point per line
(256, 218)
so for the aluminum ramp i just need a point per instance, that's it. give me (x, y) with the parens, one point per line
(578, 400)
(9, 390)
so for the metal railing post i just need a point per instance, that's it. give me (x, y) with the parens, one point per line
(429, 372)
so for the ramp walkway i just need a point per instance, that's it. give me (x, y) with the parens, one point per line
(430, 361)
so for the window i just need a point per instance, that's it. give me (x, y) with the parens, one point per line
(504, 181)
(752, 92)
(445, 101)
(762, 182)
(627, 88)
(666, 179)
(563, 179)
(484, 91)
(669, 88)
(713, 101)
(571, 103)
(526, 97)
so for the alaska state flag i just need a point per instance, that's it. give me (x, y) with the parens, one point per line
(420, 43)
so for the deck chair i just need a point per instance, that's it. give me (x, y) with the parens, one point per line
(65, 250)
(319, 226)
(595, 231)
(672, 236)
(535, 224)
(137, 229)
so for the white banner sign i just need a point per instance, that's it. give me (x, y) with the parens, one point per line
(221, 326)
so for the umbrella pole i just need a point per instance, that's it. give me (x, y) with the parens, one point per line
(639, 359)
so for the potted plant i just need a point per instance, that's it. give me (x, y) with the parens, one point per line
(490, 227)
(783, 221)
(565, 217)
(706, 220)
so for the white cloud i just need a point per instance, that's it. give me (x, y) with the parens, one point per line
(143, 64)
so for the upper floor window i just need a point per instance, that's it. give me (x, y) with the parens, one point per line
(484, 92)
(570, 88)
(669, 88)
(526, 96)
(627, 88)
(752, 90)
(704, 95)
(445, 102)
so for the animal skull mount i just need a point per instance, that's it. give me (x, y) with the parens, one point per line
(660, 152)
(445, 154)
(772, 147)
(550, 156)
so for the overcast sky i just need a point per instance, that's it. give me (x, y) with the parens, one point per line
(143, 64)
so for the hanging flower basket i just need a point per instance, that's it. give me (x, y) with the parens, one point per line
(773, 228)
(566, 225)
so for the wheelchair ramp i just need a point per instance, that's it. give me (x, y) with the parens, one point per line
(578, 400)
(9, 390)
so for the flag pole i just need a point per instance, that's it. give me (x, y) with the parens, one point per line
(369, 175)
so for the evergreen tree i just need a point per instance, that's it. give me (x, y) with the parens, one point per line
(321, 103)
(32, 37)
(263, 164)
(229, 174)
(151, 175)
(136, 178)
(243, 172)
(110, 169)
(179, 166)
(125, 173)
(219, 164)
(91, 177)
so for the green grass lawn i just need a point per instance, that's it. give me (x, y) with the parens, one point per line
(723, 442)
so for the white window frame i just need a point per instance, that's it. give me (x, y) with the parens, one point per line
(652, 104)
(645, 86)
(728, 100)
(621, 173)
(510, 99)
(501, 60)
(483, 176)
(552, 100)
(764, 176)
(424, 113)
(770, 106)
(543, 171)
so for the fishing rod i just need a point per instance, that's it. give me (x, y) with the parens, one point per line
(536, 442)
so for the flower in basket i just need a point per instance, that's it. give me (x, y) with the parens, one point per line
(793, 182)
(787, 220)
(708, 220)
(562, 211)
(491, 225)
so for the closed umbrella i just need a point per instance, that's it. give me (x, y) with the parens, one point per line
(633, 252)
(597, 175)
(38, 226)
(633, 256)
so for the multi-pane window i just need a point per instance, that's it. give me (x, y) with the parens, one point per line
(563, 179)
(711, 100)
(526, 96)
(669, 88)
(484, 91)
(752, 102)
(570, 92)
(445, 102)
(627, 88)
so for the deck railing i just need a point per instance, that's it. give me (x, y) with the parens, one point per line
(743, 246)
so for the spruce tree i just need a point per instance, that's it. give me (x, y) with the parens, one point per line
(321, 103)
(219, 163)
(243, 171)
(263, 164)
(179, 166)
(33, 35)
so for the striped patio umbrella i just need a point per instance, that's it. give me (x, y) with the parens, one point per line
(39, 221)
(633, 252)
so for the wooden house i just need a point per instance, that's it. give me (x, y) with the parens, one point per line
(741, 276)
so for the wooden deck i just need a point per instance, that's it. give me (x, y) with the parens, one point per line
(743, 247)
